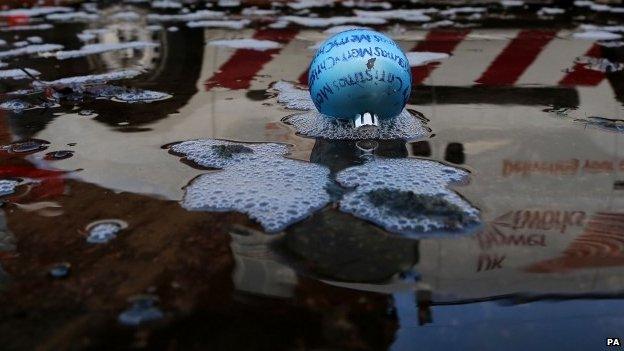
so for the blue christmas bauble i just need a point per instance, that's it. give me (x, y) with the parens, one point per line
(359, 71)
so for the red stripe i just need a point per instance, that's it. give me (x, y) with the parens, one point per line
(239, 70)
(303, 78)
(437, 40)
(516, 57)
(581, 75)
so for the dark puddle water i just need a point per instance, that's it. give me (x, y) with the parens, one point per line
(539, 135)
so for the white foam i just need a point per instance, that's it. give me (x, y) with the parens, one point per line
(316, 125)
(367, 4)
(35, 40)
(95, 78)
(187, 17)
(166, 4)
(254, 11)
(43, 26)
(7, 186)
(593, 27)
(412, 15)
(439, 24)
(101, 233)
(35, 11)
(332, 21)
(305, 4)
(596, 35)
(422, 58)
(15, 105)
(229, 3)
(126, 16)
(421, 177)
(3, 64)
(292, 97)
(274, 190)
(512, 3)
(549, 11)
(19, 44)
(339, 29)
(254, 44)
(233, 24)
(452, 12)
(30, 50)
(91, 49)
(2, 42)
(18, 73)
(79, 16)
(138, 95)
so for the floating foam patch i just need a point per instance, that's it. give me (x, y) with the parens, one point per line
(94, 78)
(316, 125)
(233, 24)
(292, 97)
(255, 179)
(422, 58)
(138, 95)
(30, 50)
(43, 26)
(306, 4)
(92, 49)
(339, 29)
(35, 11)
(101, 232)
(15, 105)
(332, 21)
(7, 186)
(253, 44)
(18, 73)
(166, 4)
(187, 17)
(367, 4)
(79, 16)
(407, 196)
(412, 15)
(596, 35)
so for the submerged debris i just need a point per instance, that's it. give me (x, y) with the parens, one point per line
(256, 179)
(227, 151)
(407, 196)
(411, 205)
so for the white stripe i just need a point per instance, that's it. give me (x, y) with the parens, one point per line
(471, 58)
(551, 64)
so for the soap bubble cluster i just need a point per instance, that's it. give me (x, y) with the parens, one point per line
(255, 179)
(316, 125)
(389, 192)
(7, 186)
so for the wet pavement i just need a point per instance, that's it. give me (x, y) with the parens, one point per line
(115, 234)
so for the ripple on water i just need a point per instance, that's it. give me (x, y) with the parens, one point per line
(408, 196)
(255, 179)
